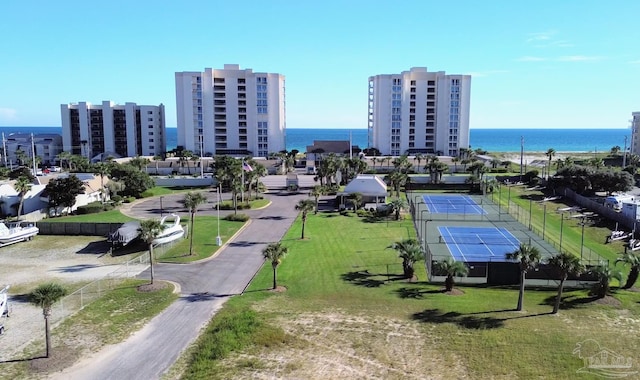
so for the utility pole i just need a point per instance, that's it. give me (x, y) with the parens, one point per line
(521, 155)
(624, 153)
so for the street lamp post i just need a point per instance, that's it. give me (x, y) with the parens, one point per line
(561, 225)
(218, 238)
(161, 211)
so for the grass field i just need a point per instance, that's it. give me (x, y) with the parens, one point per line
(204, 240)
(346, 313)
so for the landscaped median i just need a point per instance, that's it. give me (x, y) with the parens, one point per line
(347, 312)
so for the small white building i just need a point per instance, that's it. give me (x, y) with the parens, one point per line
(372, 188)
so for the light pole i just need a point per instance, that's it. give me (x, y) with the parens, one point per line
(624, 153)
(584, 221)
(561, 224)
(521, 155)
(161, 211)
(544, 219)
(218, 238)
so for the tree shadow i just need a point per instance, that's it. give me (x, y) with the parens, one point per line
(465, 321)
(370, 280)
(75, 268)
(570, 301)
(416, 293)
(203, 296)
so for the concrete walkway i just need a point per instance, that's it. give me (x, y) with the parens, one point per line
(204, 286)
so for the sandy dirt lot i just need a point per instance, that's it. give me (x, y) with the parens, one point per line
(68, 260)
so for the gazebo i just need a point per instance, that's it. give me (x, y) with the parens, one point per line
(372, 188)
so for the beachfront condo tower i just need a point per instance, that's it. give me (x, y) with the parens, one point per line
(635, 133)
(97, 131)
(230, 112)
(418, 111)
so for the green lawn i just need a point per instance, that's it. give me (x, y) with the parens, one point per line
(112, 216)
(204, 240)
(346, 307)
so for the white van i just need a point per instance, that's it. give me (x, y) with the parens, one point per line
(615, 201)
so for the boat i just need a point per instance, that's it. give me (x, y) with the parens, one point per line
(15, 232)
(171, 230)
(124, 235)
(4, 307)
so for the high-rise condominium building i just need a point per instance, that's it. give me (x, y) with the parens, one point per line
(230, 112)
(418, 111)
(635, 133)
(127, 130)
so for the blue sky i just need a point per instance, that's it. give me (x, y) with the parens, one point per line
(544, 64)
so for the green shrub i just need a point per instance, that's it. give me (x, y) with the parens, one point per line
(363, 213)
(237, 217)
(91, 208)
(498, 170)
(116, 199)
(129, 199)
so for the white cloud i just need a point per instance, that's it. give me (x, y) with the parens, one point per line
(529, 58)
(578, 58)
(541, 36)
(636, 62)
(8, 114)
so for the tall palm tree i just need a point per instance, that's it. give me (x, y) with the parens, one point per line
(397, 205)
(418, 157)
(304, 206)
(22, 186)
(397, 179)
(274, 252)
(451, 268)
(605, 274)
(45, 296)
(633, 259)
(149, 230)
(550, 153)
(410, 251)
(566, 264)
(528, 258)
(316, 193)
(191, 202)
(101, 169)
(455, 161)
(356, 199)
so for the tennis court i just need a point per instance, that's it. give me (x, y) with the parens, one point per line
(478, 244)
(452, 204)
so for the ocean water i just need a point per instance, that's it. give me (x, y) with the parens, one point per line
(492, 140)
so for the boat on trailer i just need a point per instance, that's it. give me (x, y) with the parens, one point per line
(124, 235)
(171, 230)
(15, 232)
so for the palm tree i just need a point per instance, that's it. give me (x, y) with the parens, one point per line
(451, 268)
(316, 193)
(455, 161)
(410, 251)
(149, 230)
(356, 199)
(418, 157)
(102, 169)
(605, 274)
(615, 150)
(566, 264)
(45, 296)
(550, 153)
(274, 252)
(304, 206)
(397, 205)
(22, 186)
(397, 179)
(633, 259)
(528, 258)
(191, 202)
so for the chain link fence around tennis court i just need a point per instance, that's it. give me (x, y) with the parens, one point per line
(518, 220)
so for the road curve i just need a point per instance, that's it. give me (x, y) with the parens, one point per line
(205, 287)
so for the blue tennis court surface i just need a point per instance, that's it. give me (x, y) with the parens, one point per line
(452, 204)
(478, 244)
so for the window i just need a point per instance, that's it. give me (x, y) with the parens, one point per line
(150, 140)
(431, 83)
(262, 110)
(150, 119)
(149, 112)
(413, 83)
(150, 133)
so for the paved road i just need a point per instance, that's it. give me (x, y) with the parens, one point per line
(204, 288)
